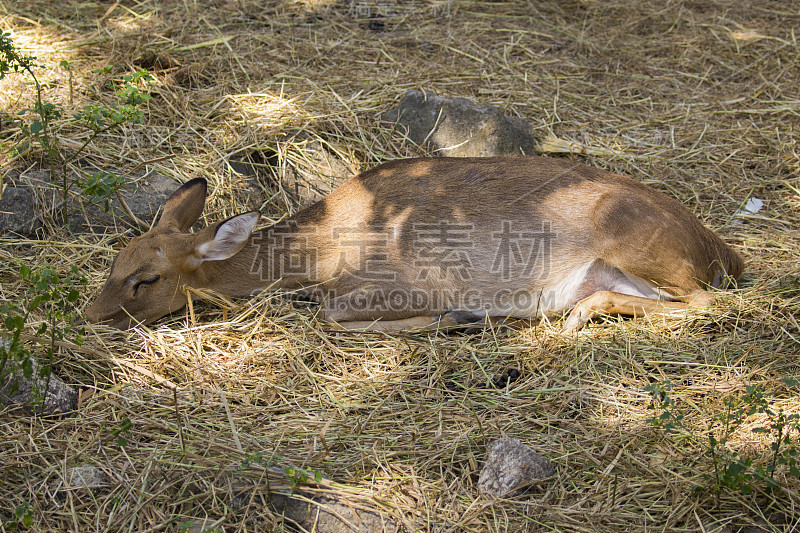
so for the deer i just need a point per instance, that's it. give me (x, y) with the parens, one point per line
(435, 242)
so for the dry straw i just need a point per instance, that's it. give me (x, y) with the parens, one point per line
(697, 99)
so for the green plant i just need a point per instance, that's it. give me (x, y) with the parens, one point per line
(100, 187)
(53, 296)
(731, 470)
(122, 431)
(23, 517)
(299, 475)
(96, 118)
(784, 452)
(671, 418)
(256, 458)
(39, 128)
(294, 475)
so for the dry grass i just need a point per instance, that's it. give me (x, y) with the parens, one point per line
(699, 99)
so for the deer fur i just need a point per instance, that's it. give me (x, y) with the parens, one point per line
(426, 241)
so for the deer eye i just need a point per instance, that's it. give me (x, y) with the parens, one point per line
(145, 283)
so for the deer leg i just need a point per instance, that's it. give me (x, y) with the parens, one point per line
(447, 320)
(417, 322)
(368, 309)
(453, 319)
(617, 303)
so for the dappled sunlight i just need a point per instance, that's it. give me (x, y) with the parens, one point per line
(17, 89)
(265, 113)
(121, 20)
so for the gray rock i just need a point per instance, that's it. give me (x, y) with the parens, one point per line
(459, 127)
(26, 394)
(83, 479)
(86, 477)
(144, 198)
(18, 212)
(149, 195)
(33, 198)
(511, 465)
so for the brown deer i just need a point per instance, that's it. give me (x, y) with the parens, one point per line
(437, 241)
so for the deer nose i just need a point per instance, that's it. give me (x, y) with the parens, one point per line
(91, 315)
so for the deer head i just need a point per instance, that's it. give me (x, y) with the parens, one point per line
(146, 278)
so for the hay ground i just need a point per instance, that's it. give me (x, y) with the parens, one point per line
(698, 99)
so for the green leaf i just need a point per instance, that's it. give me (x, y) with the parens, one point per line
(734, 469)
(27, 367)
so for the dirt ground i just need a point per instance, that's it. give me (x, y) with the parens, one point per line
(699, 99)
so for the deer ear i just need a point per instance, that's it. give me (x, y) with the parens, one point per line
(184, 206)
(229, 237)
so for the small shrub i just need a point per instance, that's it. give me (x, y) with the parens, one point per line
(731, 470)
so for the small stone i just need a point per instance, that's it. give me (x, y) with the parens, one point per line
(511, 465)
(86, 476)
(80, 478)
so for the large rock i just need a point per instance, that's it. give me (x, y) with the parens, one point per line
(33, 198)
(18, 213)
(459, 127)
(143, 198)
(511, 465)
